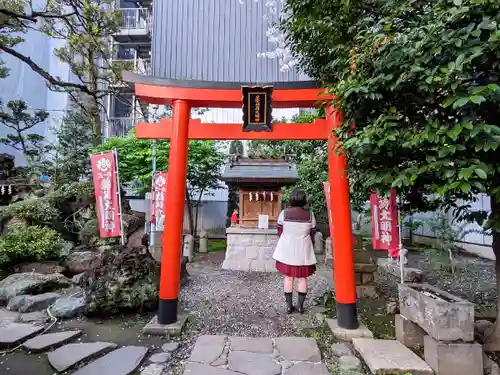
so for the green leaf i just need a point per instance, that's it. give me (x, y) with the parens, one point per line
(481, 174)
(460, 102)
(465, 187)
(457, 2)
(477, 99)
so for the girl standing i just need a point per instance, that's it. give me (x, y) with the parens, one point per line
(294, 254)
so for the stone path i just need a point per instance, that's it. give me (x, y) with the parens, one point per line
(224, 355)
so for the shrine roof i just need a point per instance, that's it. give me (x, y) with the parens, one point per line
(275, 171)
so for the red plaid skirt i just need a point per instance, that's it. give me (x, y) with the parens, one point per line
(297, 272)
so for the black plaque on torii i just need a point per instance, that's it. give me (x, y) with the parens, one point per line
(257, 108)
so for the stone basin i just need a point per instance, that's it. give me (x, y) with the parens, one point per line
(443, 316)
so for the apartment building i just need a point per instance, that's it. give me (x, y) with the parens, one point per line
(208, 40)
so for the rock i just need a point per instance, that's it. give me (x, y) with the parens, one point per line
(160, 357)
(349, 363)
(67, 246)
(123, 361)
(14, 333)
(482, 325)
(131, 223)
(135, 239)
(253, 363)
(36, 317)
(341, 349)
(298, 349)
(27, 303)
(78, 279)
(44, 268)
(170, 347)
(30, 283)
(70, 355)
(50, 340)
(82, 261)
(123, 282)
(68, 307)
(392, 307)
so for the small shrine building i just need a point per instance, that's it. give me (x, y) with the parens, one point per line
(260, 181)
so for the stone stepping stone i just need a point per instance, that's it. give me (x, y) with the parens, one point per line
(389, 356)
(204, 369)
(123, 361)
(253, 363)
(298, 349)
(252, 344)
(7, 317)
(70, 355)
(207, 349)
(50, 340)
(304, 368)
(15, 333)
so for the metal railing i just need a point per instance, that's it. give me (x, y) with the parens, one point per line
(139, 66)
(120, 126)
(136, 18)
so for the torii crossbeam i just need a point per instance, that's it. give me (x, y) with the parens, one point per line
(186, 94)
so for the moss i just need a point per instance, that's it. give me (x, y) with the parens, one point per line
(216, 245)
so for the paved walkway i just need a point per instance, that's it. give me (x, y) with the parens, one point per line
(223, 355)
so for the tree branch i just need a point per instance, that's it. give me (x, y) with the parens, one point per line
(35, 67)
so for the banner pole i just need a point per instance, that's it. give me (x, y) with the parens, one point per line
(152, 237)
(118, 191)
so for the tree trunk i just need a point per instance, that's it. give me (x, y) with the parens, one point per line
(198, 203)
(190, 212)
(492, 335)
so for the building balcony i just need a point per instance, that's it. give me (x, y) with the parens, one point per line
(139, 66)
(136, 25)
(119, 126)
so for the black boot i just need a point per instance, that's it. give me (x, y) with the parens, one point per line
(289, 303)
(302, 298)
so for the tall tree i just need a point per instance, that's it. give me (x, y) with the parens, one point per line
(86, 26)
(420, 81)
(21, 123)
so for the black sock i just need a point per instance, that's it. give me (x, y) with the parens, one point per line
(302, 298)
(289, 301)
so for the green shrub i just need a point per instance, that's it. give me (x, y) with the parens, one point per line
(83, 190)
(29, 243)
(32, 210)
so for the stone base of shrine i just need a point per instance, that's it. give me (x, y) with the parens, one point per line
(250, 249)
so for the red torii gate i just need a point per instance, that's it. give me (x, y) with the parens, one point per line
(183, 95)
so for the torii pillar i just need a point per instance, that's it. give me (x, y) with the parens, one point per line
(183, 95)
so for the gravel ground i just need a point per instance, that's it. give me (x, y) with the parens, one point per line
(223, 302)
(241, 303)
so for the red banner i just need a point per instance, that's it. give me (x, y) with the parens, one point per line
(385, 233)
(326, 187)
(106, 194)
(158, 198)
